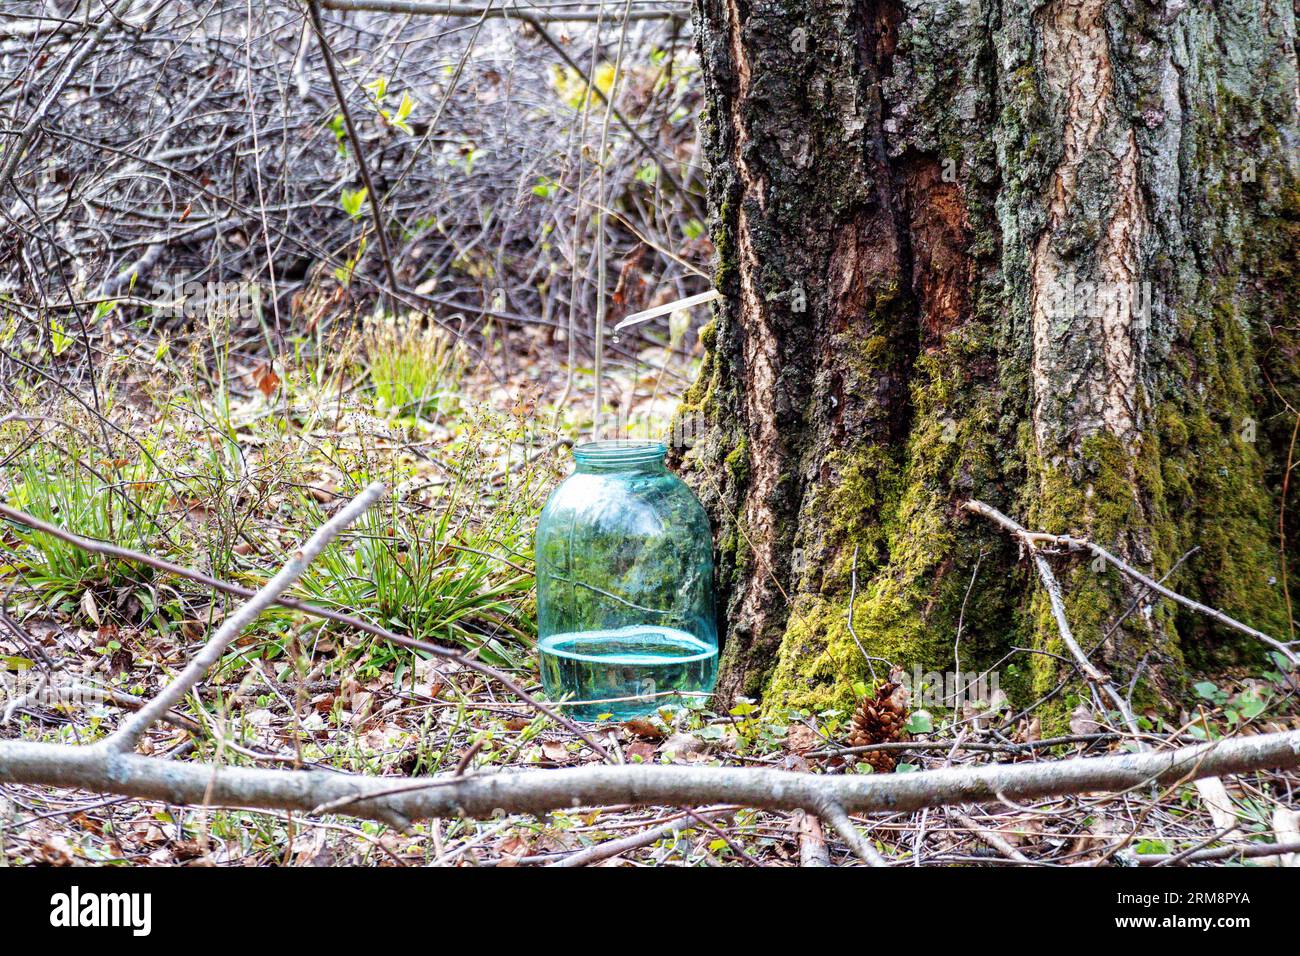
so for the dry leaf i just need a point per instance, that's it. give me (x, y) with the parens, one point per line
(325, 492)
(361, 705)
(1032, 731)
(89, 609)
(682, 747)
(801, 738)
(265, 379)
(56, 851)
(512, 848)
(642, 749)
(554, 751)
(644, 728)
(1081, 721)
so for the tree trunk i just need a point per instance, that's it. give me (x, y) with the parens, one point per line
(1041, 254)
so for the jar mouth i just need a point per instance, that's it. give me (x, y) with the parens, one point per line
(619, 451)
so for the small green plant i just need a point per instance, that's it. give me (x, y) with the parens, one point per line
(413, 366)
(115, 500)
(426, 575)
(1239, 708)
(352, 200)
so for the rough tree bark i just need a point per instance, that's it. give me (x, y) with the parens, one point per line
(1037, 253)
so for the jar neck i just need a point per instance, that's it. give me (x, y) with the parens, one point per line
(619, 457)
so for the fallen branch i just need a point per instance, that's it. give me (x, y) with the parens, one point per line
(812, 841)
(1250, 851)
(1030, 540)
(347, 620)
(833, 813)
(612, 848)
(398, 802)
(992, 838)
(529, 14)
(129, 733)
(1033, 538)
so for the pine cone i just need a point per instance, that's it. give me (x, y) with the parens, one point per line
(878, 720)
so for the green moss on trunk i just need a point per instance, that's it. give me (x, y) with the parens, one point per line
(905, 171)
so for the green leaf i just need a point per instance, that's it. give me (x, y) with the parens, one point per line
(340, 129)
(648, 173)
(920, 722)
(398, 119)
(404, 108)
(352, 201)
(1206, 689)
(59, 339)
(1251, 706)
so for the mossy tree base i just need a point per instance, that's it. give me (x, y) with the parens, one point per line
(1042, 255)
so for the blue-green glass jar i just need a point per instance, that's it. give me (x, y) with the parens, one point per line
(625, 608)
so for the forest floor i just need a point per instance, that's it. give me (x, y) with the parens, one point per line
(197, 447)
(531, 182)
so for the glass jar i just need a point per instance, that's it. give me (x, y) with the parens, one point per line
(625, 608)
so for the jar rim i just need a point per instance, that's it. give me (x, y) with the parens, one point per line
(619, 451)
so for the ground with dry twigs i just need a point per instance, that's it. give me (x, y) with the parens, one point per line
(252, 267)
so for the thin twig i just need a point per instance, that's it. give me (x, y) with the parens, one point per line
(381, 229)
(15, 148)
(991, 837)
(1034, 538)
(1248, 852)
(835, 815)
(531, 13)
(134, 726)
(347, 620)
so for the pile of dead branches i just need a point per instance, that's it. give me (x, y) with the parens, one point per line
(166, 158)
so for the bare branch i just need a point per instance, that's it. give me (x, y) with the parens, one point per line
(14, 148)
(1032, 538)
(612, 848)
(1090, 670)
(134, 726)
(540, 791)
(812, 841)
(347, 620)
(527, 13)
(1251, 851)
(358, 149)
